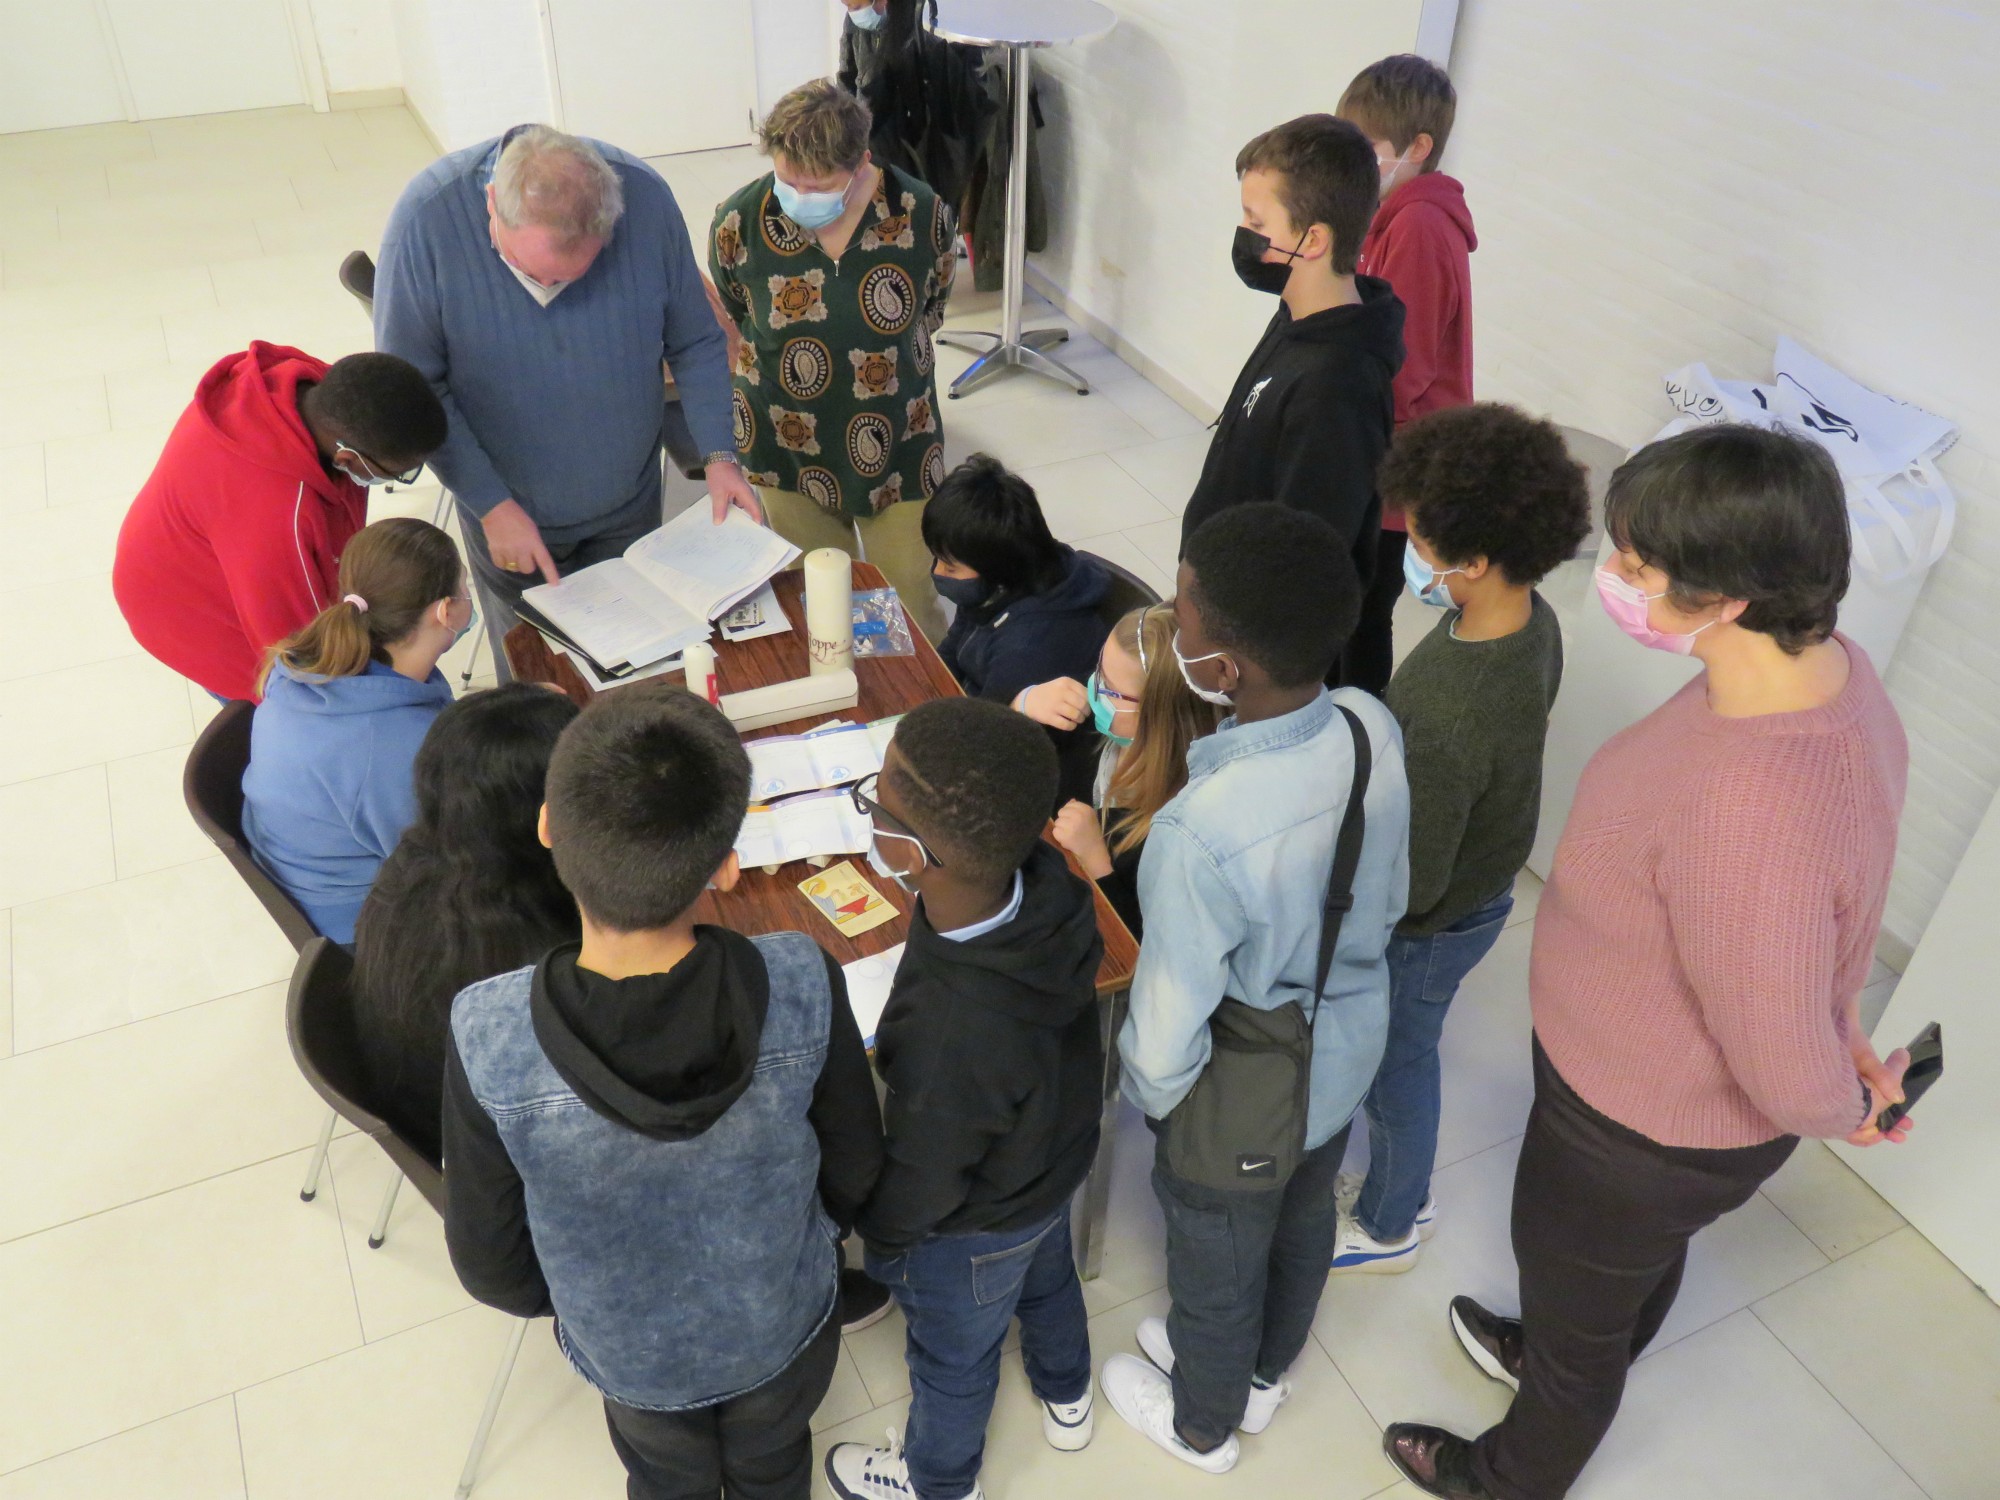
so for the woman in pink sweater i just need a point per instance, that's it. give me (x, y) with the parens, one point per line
(1702, 944)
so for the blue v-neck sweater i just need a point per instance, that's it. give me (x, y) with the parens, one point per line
(557, 407)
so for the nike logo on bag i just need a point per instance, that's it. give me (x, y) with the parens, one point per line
(1255, 1164)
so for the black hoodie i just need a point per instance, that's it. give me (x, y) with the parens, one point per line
(1310, 418)
(665, 1055)
(994, 1067)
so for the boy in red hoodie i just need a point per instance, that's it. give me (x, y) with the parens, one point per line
(235, 540)
(1420, 242)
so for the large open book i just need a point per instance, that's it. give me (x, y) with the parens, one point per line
(659, 597)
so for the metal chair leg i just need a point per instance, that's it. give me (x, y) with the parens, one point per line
(318, 1163)
(493, 1397)
(381, 1230)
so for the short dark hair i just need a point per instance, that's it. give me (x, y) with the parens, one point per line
(382, 406)
(1740, 512)
(977, 780)
(1327, 174)
(1275, 585)
(987, 517)
(1490, 481)
(646, 795)
(1400, 98)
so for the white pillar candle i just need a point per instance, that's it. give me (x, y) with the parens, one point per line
(829, 610)
(698, 668)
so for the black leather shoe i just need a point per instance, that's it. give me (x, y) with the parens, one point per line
(864, 1301)
(1491, 1342)
(1435, 1461)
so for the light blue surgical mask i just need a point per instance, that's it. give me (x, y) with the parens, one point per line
(868, 18)
(812, 210)
(1426, 582)
(1103, 712)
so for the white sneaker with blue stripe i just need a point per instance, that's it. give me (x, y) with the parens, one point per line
(1347, 1193)
(1355, 1250)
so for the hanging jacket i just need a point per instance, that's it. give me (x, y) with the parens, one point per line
(1421, 242)
(1310, 418)
(234, 541)
(328, 790)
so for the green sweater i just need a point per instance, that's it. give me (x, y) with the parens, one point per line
(1474, 717)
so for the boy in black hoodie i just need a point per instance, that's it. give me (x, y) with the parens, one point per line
(660, 1133)
(990, 1050)
(1313, 409)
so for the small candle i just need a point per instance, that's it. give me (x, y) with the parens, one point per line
(698, 669)
(829, 610)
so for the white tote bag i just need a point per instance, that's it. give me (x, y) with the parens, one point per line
(1899, 505)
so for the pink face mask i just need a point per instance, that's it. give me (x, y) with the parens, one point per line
(1626, 605)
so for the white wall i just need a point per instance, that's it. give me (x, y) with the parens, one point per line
(1660, 183)
(471, 68)
(1139, 155)
(797, 40)
(357, 45)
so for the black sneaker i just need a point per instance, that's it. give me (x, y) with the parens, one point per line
(1435, 1461)
(1490, 1341)
(864, 1301)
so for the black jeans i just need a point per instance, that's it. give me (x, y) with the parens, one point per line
(499, 590)
(1602, 1220)
(1245, 1271)
(757, 1446)
(1370, 657)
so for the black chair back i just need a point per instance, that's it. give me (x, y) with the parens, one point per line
(213, 787)
(320, 1025)
(357, 274)
(1128, 591)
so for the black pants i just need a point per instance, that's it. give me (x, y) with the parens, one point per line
(1602, 1220)
(757, 1446)
(1245, 1271)
(1371, 651)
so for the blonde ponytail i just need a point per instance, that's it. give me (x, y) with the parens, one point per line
(390, 574)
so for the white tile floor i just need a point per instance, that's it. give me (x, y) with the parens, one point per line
(175, 1323)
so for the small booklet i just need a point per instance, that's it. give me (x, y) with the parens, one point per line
(640, 608)
(831, 755)
(869, 981)
(759, 615)
(820, 825)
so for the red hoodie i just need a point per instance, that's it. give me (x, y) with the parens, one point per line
(1421, 243)
(235, 541)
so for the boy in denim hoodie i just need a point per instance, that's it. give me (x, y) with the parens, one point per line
(660, 1134)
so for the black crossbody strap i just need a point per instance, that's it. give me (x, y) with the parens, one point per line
(1346, 857)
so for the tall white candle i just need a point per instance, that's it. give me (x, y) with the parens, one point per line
(698, 667)
(829, 610)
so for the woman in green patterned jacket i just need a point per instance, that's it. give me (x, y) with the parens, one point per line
(836, 271)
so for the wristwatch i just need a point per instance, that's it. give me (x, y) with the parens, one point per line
(720, 458)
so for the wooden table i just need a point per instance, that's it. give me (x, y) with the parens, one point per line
(772, 902)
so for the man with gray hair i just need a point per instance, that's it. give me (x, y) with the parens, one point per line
(540, 281)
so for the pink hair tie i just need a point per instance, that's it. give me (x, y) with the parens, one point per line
(356, 600)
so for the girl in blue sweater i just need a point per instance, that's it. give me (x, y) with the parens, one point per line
(346, 702)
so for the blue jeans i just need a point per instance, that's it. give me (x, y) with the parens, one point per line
(1404, 1100)
(958, 1293)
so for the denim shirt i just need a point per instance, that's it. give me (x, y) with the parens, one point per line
(1233, 883)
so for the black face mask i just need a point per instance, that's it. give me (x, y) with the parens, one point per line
(1255, 272)
(966, 593)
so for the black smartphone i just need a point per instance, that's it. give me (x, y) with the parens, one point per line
(1926, 1067)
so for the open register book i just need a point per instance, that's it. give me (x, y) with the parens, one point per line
(659, 597)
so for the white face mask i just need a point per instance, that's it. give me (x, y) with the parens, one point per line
(882, 866)
(1207, 695)
(542, 294)
(1391, 167)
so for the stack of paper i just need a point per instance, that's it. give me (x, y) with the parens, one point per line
(829, 756)
(868, 984)
(823, 824)
(635, 610)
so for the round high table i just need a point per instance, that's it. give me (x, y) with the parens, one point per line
(1020, 26)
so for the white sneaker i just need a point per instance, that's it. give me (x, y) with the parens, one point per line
(859, 1472)
(1264, 1399)
(1355, 1250)
(1068, 1425)
(1141, 1393)
(1347, 1193)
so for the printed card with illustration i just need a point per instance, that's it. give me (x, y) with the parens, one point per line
(840, 895)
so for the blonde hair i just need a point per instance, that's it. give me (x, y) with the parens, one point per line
(389, 575)
(1153, 768)
(557, 182)
(818, 126)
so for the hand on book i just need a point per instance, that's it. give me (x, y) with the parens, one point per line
(514, 542)
(727, 487)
